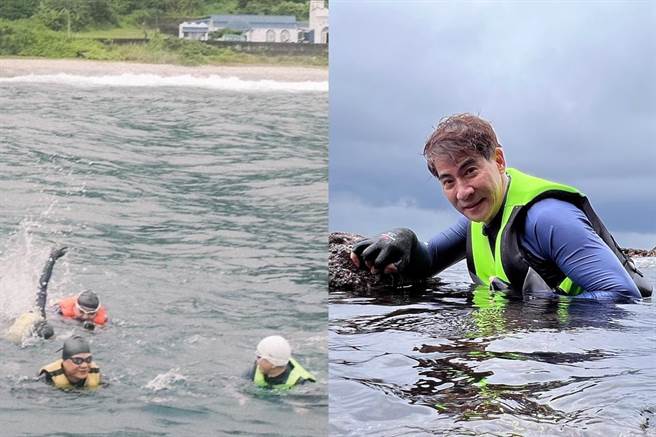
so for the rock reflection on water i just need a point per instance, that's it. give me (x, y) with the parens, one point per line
(468, 361)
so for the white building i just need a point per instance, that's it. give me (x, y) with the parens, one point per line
(262, 28)
(259, 28)
(197, 30)
(319, 21)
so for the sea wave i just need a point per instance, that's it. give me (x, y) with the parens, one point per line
(165, 381)
(229, 83)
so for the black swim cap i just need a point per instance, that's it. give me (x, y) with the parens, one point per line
(88, 300)
(75, 345)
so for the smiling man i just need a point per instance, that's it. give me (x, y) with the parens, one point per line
(75, 368)
(518, 232)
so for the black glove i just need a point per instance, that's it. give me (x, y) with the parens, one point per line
(399, 247)
(89, 325)
(58, 253)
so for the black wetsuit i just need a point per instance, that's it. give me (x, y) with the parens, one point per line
(43, 329)
(42, 293)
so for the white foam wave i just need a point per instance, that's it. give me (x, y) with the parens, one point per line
(165, 381)
(153, 80)
(19, 270)
(22, 258)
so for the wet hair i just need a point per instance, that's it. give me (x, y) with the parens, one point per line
(460, 135)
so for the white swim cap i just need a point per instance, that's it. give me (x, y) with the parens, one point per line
(275, 350)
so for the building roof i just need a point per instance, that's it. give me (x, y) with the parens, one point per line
(194, 24)
(195, 29)
(245, 22)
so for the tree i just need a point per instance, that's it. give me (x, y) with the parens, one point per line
(181, 7)
(298, 8)
(17, 9)
(79, 14)
(101, 12)
(61, 14)
(218, 34)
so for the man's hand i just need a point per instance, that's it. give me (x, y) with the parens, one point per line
(58, 253)
(396, 251)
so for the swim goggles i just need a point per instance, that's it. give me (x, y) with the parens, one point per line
(79, 360)
(85, 311)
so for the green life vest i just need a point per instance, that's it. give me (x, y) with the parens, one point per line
(508, 261)
(295, 376)
(59, 379)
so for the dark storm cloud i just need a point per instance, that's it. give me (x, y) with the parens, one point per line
(569, 89)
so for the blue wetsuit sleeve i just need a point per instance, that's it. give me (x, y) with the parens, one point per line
(449, 246)
(558, 231)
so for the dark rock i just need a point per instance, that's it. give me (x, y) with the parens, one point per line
(342, 273)
(344, 276)
(639, 252)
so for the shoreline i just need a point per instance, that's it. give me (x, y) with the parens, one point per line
(12, 67)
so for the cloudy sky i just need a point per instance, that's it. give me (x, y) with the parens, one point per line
(569, 88)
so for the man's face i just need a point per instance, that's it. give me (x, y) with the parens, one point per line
(264, 365)
(76, 367)
(85, 314)
(474, 185)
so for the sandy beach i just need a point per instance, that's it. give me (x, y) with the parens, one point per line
(11, 67)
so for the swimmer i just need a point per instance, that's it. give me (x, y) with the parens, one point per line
(517, 232)
(84, 307)
(76, 367)
(34, 321)
(274, 366)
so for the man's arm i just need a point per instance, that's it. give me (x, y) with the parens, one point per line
(449, 246)
(42, 293)
(558, 231)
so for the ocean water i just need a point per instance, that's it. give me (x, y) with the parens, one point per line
(465, 362)
(197, 210)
